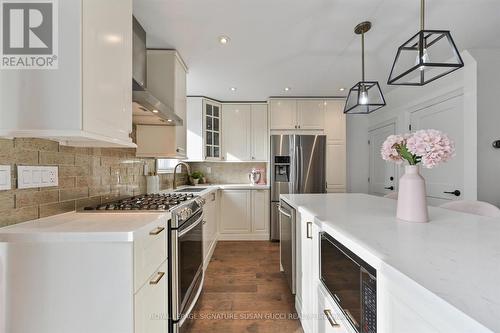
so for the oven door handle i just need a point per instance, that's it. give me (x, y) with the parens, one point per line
(191, 227)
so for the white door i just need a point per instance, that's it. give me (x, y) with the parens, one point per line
(283, 114)
(382, 174)
(311, 114)
(235, 212)
(236, 122)
(260, 133)
(446, 116)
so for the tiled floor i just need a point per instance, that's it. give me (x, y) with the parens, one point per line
(245, 292)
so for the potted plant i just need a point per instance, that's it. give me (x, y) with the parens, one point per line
(196, 176)
(430, 148)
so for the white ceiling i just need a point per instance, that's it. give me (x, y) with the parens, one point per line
(308, 45)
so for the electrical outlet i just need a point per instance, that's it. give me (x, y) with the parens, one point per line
(5, 177)
(37, 176)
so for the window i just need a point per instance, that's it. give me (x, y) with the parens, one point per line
(164, 165)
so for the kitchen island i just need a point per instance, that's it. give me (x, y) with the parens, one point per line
(440, 276)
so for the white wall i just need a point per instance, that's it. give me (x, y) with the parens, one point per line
(401, 100)
(488, 122)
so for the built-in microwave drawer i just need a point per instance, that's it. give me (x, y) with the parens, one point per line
(330, 317)
(351, 282)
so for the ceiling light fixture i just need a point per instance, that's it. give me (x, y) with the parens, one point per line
(342, 89)
(425, 57)
(233, 88)
(155, 111)
(224, 39)
(365, 96)
(287, 89)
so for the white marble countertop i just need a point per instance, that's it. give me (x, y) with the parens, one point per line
(80, 226)
(456, 256)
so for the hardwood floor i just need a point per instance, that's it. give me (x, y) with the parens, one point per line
(244, 291)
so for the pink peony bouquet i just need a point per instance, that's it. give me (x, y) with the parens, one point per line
(431, 147)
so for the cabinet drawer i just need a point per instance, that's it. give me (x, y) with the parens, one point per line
(330, 317)
(150, 303)
(149, 251)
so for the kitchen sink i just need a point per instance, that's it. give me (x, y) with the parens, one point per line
(191, 189)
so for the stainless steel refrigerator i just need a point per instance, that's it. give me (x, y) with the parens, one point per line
(298, 165)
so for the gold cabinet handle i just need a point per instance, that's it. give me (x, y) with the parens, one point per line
(158, 278)
(156, 231)
(309, 230)
(329, 316)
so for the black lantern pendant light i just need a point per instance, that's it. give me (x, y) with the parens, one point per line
(427, 56)
(366, 96)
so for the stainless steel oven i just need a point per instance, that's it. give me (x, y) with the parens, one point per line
(351, 282)
(185, 263)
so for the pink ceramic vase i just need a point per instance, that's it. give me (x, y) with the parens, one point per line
(412, 199)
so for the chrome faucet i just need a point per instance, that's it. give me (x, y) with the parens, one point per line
(175, 172)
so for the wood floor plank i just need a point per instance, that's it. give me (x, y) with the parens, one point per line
(245, 292)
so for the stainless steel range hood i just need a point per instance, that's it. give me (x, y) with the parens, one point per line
(147, 109)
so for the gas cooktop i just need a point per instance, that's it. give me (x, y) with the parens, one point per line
(146, 202)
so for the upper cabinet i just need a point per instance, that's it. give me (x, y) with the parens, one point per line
(166, 80)
(87, 100)
(336, 160)
(236, 126)
(226, 131)
(259, 133)
(283, 114)
(291, 114)
(311, 114)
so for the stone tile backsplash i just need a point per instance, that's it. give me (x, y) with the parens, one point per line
(227, 173)
(87, 176)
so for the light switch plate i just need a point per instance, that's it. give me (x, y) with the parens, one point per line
(37, 176)
(5, 178)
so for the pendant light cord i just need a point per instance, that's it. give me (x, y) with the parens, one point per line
(363, 57)
(422, 14)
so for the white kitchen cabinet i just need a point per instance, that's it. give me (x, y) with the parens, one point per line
(283, 114)
(83, 267)
(244, 214)
(330, 318)
(87, 101)
(235, 210)
(311, 114)
(260, 212)
(210, 223)
(336, 160)
(150, 303)
(236, 131)
(166, 80)
(260, 133)
(307, 276)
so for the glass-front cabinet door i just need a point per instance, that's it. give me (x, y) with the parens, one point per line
(212, 130)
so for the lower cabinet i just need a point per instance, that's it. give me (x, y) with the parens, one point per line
(330, 318)
(244, 215)
(210, 226)
(150, 303)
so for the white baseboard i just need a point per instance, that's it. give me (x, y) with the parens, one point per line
(243, 237)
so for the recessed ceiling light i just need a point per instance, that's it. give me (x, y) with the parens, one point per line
(287, 89)
(169, 120)
(342, 89)
(233, 88)
(155, 111)
(224, 39)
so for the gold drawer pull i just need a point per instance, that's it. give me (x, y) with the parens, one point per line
(329, 316)
(157, 279)
(156, 231)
